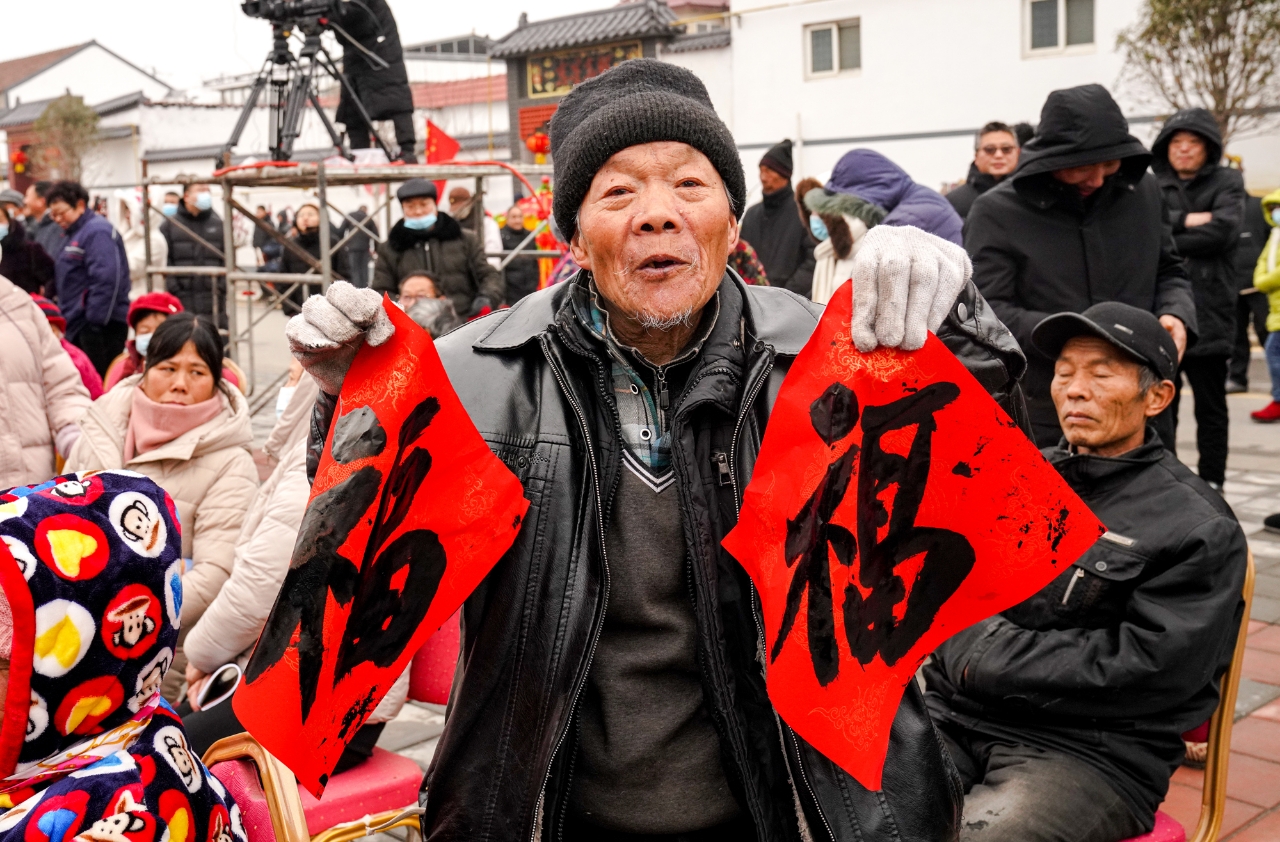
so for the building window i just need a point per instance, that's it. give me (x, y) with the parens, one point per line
(1056, 25)
(831, 48)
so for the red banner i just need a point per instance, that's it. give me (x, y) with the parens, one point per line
(893, 505)
(408, 513)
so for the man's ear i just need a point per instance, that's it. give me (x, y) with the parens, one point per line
(733, 231)
(1158, 398)
(578, 247)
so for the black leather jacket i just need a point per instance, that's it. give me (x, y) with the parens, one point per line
(536, 391)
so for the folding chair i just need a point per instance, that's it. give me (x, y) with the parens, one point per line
(1213, 802)
(378, 795)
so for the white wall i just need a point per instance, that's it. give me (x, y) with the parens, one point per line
(94, 74)
(715, 69)
(927, 66)
(445, 70)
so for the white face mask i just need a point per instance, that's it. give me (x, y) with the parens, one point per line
(141, 342)
(282, 399)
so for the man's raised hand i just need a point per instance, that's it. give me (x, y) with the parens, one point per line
(329, 331)
(904, 283)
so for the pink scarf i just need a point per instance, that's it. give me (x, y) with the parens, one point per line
(152, 424)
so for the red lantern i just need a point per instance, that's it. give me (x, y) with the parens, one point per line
(19, 161)
(539, 144)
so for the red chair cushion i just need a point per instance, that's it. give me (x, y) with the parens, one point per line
(1167, 829)
(431, 671)
(386, 781)
(240, 777)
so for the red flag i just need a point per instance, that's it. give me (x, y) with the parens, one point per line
(409, 511)
(893, 505)
(440, 147)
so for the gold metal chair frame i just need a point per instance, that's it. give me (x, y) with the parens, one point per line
(280, 788)
(1213, 801)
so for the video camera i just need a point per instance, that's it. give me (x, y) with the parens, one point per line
(285, 11)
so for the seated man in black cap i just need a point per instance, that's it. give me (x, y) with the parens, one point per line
(1064, 713)
(774, 227)
(428, 240)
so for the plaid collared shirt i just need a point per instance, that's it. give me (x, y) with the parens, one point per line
(645, 422)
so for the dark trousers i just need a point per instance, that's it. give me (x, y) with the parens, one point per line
(102, 343)
(359, 135)
(1024, 794)
(1207, 377)
(197, 294)
(358, 268)
(1249, 308)
(206, 727)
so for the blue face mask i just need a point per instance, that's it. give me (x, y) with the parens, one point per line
(4, 231)
(168, 209)
(204, 201)
(1275, 215)
(420, 223)
(818, 227)
(141, 343)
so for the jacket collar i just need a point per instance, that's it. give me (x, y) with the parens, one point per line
(980, 181)
(1086, 473)
(786, 195)
(775, 317)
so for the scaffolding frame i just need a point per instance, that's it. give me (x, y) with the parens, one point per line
(320, 179)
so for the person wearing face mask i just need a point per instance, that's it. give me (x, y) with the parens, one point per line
(838, 221)
(307, 222)
(145, 315)
(181, 425)
(192, 221)
(431, 241)
(22, 260)
(171, 201)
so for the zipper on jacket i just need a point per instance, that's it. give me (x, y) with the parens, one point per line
(720, 460)
(595, 638)
(1071, 586)
(813, 796)
(664, 397)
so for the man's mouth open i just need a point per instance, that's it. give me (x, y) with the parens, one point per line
(660, 266)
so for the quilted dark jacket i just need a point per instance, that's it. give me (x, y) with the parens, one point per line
(537, 391)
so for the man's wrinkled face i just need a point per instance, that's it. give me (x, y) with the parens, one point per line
(1096, 391)
(770, 181)
(1089, 178)
(1187, 153)
(655, 229)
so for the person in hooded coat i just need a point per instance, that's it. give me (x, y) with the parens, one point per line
(876, 180)
(1204, 203)
(774, 227)
(839, 221)
(88, 748)
(384, 91)
(1041, 245)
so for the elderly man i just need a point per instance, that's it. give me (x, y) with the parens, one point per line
(1079, 222)
(1064, 713)
(609, 687)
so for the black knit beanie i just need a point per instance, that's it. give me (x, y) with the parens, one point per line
(637, 101)
(778, 159)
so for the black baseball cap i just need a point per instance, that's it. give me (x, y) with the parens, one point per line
(416, 187)
(1134, 331)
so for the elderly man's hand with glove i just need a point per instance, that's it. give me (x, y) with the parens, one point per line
(329, 331)
(904, 283)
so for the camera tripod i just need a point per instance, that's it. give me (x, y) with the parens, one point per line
(293, 86)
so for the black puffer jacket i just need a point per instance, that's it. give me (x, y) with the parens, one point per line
(24, 262)
(539, 394)
(1209, 249)
(195, 291)
(1038, 248)
(781, 240)
(1122, 653)
(453, 257)
(963, 197)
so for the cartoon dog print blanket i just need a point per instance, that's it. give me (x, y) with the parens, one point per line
(90, 565)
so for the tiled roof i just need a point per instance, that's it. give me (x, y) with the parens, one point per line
(644, 19)
(460, 91)
(20, 69)
(26, 112)
(699, 41)
(120, 103)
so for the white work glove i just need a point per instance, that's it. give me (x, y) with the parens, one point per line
(904, 283)
(329, 331)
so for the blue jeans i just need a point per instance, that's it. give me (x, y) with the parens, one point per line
(1273, 363)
